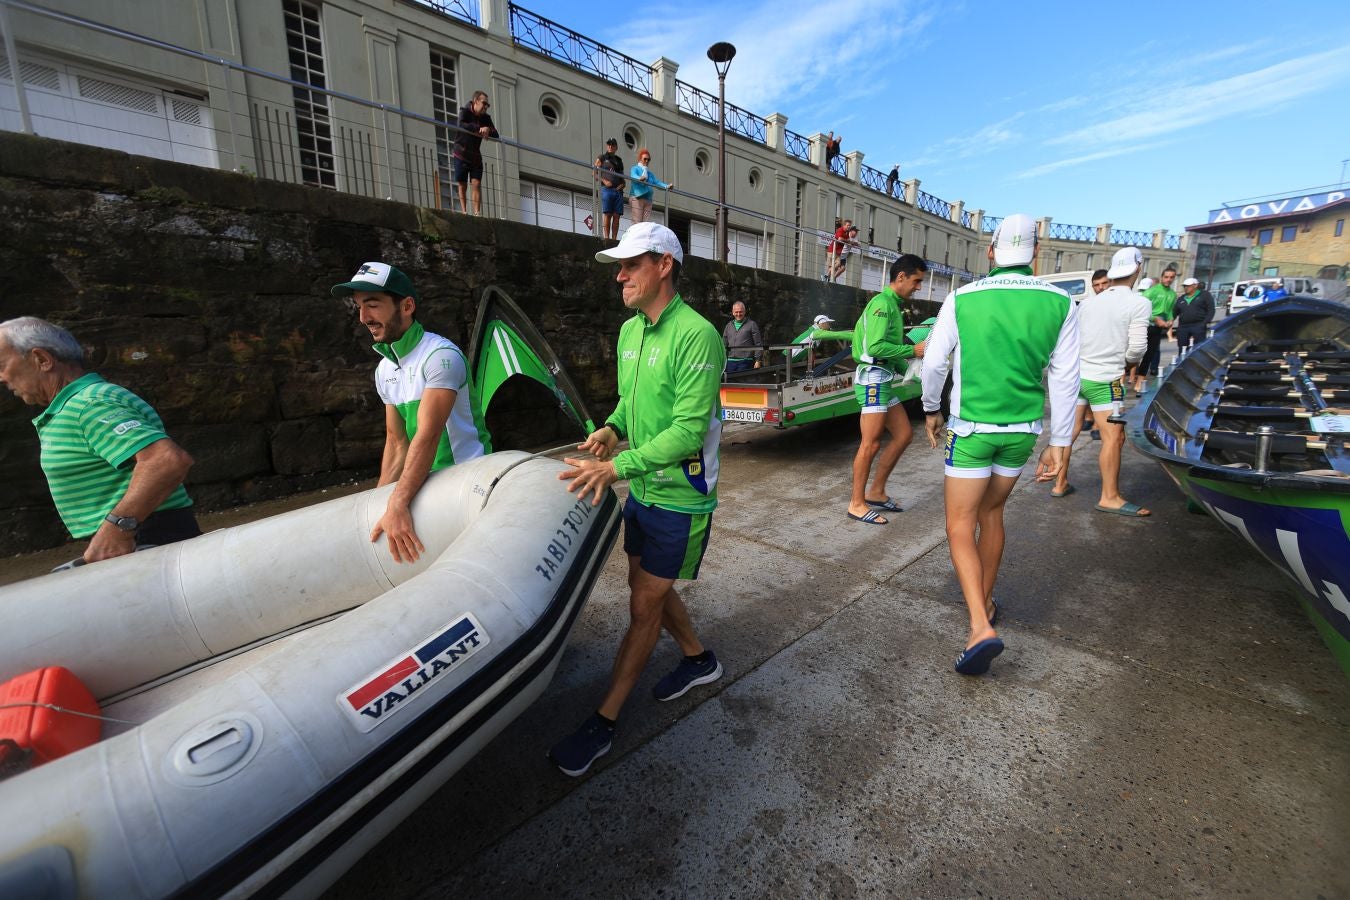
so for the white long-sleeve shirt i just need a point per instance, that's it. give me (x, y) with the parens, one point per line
(1113, 331)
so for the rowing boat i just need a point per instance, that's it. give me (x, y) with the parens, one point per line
(1252, 425)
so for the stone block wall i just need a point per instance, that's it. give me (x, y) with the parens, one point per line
(207, 293)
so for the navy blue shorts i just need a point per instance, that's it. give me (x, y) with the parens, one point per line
(611, 201)
(464, 171)
(667, 544)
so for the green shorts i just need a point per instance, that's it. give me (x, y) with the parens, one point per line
(1101, 396)
(876, 397)
(982, 455)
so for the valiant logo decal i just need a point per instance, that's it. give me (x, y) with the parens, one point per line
(387, 689)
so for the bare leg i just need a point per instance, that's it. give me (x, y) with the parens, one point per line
(1062, 481)
(897, 423)
(463, 201)
(1113, 439)
(477, 198)
(973, 502)
(653, 600)
(870, 425)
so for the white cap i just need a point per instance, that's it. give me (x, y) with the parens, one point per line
(822, 320)
(1015, 240)
(1144, 284)
(1190, 281)
(1126, 261)
(644, 237)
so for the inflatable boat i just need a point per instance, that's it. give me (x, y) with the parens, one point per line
(277, 696)
(1252, 425)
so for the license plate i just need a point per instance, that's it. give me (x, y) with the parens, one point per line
(743, 415)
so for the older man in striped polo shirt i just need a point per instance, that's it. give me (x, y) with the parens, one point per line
(115, 476)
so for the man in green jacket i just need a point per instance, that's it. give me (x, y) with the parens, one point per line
(878, 347)
(1163, 299)
(670, 369)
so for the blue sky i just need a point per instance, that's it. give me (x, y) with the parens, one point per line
(1144, 115)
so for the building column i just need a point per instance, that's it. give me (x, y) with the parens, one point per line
(977, 221)
(957, 208)
(1159, 238)
(775, 132)
(663, 82)
(818, 141)
(912, 192)
(1104, 234)
(496, 17)
(853, 165)
(506, 179)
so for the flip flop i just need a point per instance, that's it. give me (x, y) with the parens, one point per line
(871, 518)
(1133, 510)
(975, 660)
(1068, 489)
(889, 505)
(993, 617)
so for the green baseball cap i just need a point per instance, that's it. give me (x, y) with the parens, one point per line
(377, 276)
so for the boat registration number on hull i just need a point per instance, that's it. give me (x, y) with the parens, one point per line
(743, 415)
(388, 689)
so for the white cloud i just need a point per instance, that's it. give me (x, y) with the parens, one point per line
(820, 66)
(1167, 110)
(1047, 168)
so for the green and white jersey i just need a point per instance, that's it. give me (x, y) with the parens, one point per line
(1163, 300)
(879, 335)
(670, 410)
(90, 434)
(998, 337)
(421, 360)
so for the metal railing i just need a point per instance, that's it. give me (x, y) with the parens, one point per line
(839, 165)
(1172, 242)
(1131, 238)
(991, 223)
(935, 205)
(558, 42)
(455, 9)
(873, 178)
(798, 146)
(966, 218)
(702, 105)
(1073, 232)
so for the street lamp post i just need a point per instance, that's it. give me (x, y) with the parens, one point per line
(721, 55)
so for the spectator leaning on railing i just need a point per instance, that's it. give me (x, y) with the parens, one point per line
(644, 179)
(475, 124)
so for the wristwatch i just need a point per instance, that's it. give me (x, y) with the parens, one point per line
(125, 523)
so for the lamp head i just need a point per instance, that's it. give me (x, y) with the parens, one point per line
(721, 55)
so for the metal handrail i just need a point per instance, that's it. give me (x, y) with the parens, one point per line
(702, 105)
(1172, 242)
(966, 218)
(456, 9)
(935, 205)
(1131, 238)
(873, 178)
(1073, 232)
(558, 42)
(990, 224)
(839, 166)
(798, 146)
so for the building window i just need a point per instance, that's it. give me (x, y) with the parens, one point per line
(1059, 260)
(756, 180)
(703, 162)
(553, 111)
(632, 137)
(1288, 233)
(1271, 270)
(1088, 265)
(1265, 236)
(313, 124)
(445, 110)
(1340, 226)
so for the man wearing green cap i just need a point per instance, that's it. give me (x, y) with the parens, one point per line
(429, 415)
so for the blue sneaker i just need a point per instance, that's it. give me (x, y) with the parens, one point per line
(575, 753)
(686, 675)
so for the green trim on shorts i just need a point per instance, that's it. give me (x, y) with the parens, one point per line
(1101, 394)
(698, 543)
(1009, 449)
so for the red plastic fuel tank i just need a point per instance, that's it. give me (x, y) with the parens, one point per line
(48, 733)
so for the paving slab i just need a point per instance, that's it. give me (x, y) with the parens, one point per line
(1165, 721)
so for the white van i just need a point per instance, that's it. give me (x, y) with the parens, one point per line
(1251, 292)
(1077, 285)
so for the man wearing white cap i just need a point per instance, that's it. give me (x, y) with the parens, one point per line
(430, 419)
(997, 337)
(670, 372)
(1113, 331)
(1191, 312)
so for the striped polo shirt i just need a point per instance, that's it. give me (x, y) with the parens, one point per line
(90, 434)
